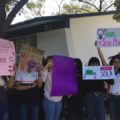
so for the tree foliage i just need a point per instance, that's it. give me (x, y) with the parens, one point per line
(98, 5)
(10, 8)
(76, 9)
(117, 14)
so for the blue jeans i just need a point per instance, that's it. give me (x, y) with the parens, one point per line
(52, 109)
(28, 104)
(114, 107)
(28, 112)
(95, 106)
(4, 116)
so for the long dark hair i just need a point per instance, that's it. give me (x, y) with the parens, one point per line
(112, 58)
(78, 65)
(44, 62)
(93, 60)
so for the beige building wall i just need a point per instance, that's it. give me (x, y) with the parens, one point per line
(82, 34)
(53, 42)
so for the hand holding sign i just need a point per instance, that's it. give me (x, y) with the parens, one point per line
(49, 65)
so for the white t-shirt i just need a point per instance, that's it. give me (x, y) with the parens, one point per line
(26, 77)
(115, 88)
(47, 78)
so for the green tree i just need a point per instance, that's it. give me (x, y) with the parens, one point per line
(59, 5)
(99, 5)
(76, 9)
(117, 14)
(33, 9)
(9, 9)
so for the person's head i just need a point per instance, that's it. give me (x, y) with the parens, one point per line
(50, 62)
(94, 61)
(31, 65)
(115, 61)
(78, 63)
(49, 58)
(44, 61)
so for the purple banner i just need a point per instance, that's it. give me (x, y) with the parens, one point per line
(64, 80)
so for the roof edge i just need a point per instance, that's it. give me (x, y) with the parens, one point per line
(91, 14)
(64, 16)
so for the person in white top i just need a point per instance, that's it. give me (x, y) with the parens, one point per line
(27, 84)
(114, 89)
(52, 104)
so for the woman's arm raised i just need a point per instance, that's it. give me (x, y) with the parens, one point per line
(101, 55)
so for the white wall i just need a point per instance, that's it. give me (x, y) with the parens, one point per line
(53, 42)
(83, 35)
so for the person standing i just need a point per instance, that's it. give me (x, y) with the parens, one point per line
(76, 102)
(27, 84)
(94, 99)
(114, 89)
(52, 104)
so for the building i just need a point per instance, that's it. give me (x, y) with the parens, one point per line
(70, 35)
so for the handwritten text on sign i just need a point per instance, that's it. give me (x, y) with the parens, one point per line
(108, 37)
(98, 72)
(7, 57)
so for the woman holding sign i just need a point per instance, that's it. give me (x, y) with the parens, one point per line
(114, 89)
(52, 104)
(27, 84)
(76, 102)
(94, 99)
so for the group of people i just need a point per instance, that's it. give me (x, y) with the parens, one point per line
(21, 95)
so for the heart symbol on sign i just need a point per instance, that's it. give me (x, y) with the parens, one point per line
(10, 70)
(10, 66)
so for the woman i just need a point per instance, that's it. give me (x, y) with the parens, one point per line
(4, 82)
(94, 99)
(75, 102)
(114, 90)
(27, 84)
(52, 104)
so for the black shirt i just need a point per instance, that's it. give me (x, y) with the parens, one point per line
(96, 85)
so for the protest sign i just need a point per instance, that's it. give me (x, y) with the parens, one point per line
(7, 57)
(64, 80)
(30, 55)
(98, 72)
(108, 37)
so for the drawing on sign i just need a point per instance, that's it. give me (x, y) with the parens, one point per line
(31, 64)
(90, 72)
(100, 33)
